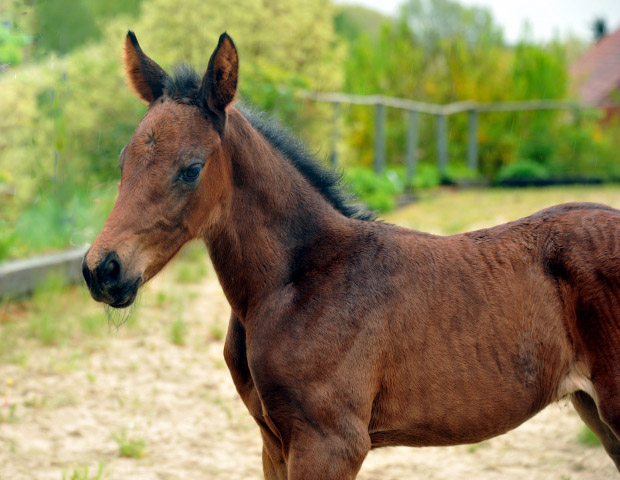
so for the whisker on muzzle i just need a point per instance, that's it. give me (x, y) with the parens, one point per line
(119, 316)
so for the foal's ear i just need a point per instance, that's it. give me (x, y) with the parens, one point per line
(219, 83)
(145, 77)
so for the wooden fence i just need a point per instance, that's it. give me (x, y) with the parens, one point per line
(441, 113)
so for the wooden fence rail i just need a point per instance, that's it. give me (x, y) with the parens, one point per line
(441, 113)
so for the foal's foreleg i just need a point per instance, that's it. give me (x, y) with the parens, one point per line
(588, 412)
(326, 455)
(274, 466)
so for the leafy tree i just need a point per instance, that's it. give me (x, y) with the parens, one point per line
(11, 47)
(436, 21)
(440, 51)
(59, 26)
(66, 117)
(283, 41)
(353, 22)
(421, 56)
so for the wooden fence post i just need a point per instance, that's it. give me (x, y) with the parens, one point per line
(379, 137)
(472, 140)
(442, 143)
(412, 147)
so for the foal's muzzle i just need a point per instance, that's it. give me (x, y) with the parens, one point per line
(107, 282)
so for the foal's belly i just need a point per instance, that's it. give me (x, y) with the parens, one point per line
(466, 388)
(451, 413)
(477, 421)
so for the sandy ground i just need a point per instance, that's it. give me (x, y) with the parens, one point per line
(180, 401)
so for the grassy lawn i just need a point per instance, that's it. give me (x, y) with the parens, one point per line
(448, 211)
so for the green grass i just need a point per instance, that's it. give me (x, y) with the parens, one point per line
(178, 330)
(160, 299)
(44, 323)
(56, 315)
(216, 332)
(586, 437)
(83, 473)
(11, 350)
(54, 221)
(8, 413)
(191, 265)
(474, 447)
(448, 211)
(46, 328)
(90, 323)
(129, 447)
(187, 272)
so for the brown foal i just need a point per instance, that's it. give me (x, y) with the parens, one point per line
(348, 334)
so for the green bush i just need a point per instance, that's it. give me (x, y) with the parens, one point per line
(460, 171)
(427, 176)
(53, 222)
(7, 239)
(523, 169)
(588, 148)
(11, 46)
(379, 192)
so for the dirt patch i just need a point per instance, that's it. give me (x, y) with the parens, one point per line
(64, 408)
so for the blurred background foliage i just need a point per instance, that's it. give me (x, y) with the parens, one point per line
(66, 112)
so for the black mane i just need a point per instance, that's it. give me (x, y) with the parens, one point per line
(184, 85)
(326, 181)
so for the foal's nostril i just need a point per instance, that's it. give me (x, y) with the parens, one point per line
(107, 282)
(108, 273)
(111, 272)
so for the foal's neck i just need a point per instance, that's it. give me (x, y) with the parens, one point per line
(273, 223)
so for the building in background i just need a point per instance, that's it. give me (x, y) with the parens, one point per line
(596, 75)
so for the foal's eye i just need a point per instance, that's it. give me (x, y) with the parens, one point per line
(189, 174)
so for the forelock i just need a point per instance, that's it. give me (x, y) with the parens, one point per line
(184, 83)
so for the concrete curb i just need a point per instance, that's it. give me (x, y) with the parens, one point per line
(21, 277)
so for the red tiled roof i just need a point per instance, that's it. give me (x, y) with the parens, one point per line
(597, 73)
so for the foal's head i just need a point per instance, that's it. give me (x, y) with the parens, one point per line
(173, 173)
